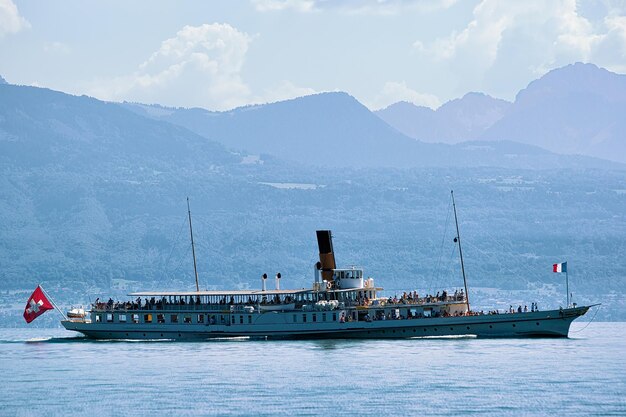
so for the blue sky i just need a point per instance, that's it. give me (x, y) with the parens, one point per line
(223, 54)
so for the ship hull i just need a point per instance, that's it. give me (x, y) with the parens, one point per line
(552, 323)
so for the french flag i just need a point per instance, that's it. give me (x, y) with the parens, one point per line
(562, 267)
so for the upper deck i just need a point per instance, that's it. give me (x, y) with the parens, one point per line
(219, 293)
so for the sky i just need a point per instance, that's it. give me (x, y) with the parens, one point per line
(223, 54)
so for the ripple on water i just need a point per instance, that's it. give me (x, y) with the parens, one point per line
(581, 376)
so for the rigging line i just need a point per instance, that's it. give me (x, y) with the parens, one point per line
(443, 281)
(182, 258)
(193, 250)
(594, 316)
(454, 264)
(174, 245)
(443, 240)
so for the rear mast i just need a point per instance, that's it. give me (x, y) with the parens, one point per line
(193, 250)
(458, 240)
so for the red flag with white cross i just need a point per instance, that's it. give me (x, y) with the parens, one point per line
(37, 304)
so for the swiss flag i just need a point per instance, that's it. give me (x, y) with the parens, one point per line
(37, 305)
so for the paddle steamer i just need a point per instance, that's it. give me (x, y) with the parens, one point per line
(341, 303)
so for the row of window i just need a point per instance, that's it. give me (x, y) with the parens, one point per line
(314, 317)
(161, 318)
(200, 318)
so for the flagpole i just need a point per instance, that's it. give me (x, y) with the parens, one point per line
(567, 284)
(53, 303)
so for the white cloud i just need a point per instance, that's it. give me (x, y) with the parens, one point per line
(539, 34)
(386, 7)
(611, 49)
(200, 66)
(574, 32)
(393, 92)
(483, 34)
(56, 48)
(284, 90)
(10, 19)
(276, 5)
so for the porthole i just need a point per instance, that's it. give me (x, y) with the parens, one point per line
(490, 326)
(451, 328)
(144, 335)
(435, 329)
(126, 334)
(161, 334)
(513, 325)
(537, 323)
(467, 327)
(413, 330)
(424, 329)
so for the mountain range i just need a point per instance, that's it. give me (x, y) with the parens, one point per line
(568, 118)
(576, 109)
(335, 130)
(458, 120)
(40, 127)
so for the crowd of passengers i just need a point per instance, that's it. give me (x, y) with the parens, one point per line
(160, 304)
(395, 315)
(414, 298)
(406, 298)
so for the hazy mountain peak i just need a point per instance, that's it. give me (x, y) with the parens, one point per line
(576, 109)
(578, 77)
(403, 106)
(2, 80)
(336, 99)
(325, 98)
(474, 102)
(475, 94)
(457, 120)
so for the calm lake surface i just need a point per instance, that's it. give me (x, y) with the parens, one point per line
(53, 372)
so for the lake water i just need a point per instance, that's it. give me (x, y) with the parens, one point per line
(52, 372)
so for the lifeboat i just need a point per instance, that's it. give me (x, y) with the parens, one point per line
(76, 313)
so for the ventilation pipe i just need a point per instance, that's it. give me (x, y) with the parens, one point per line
(263, 279)
(316, 271)
(278, 281)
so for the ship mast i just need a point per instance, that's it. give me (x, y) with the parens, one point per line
(458, 240)
(193, 250)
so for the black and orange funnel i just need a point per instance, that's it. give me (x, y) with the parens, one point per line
(327, 256)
